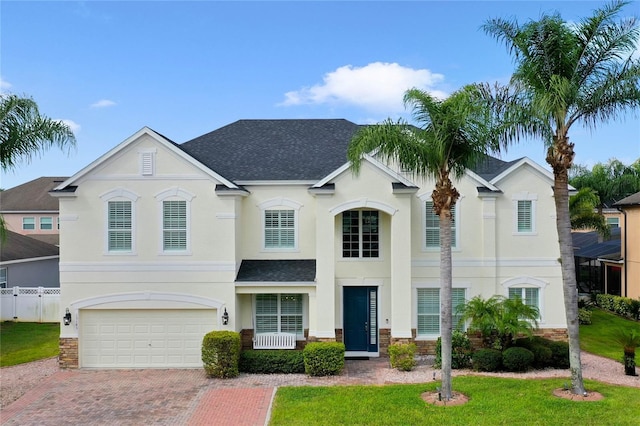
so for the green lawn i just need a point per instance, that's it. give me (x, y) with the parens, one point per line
(493, 401)
(598, 339)
(22, 342)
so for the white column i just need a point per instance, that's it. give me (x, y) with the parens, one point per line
(325, 271)
(401, 269)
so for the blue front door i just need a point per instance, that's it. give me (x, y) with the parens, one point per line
(360, 314)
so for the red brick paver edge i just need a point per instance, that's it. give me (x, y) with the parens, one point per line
(235, 406)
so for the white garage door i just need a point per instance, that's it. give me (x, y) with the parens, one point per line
(144, 338)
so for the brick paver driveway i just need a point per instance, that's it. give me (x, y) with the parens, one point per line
(139, 397)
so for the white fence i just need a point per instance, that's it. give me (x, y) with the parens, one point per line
(30, 304)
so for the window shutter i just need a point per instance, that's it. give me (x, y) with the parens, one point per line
(119, 225)
(428, 311)
(174, 222)
(524, 216)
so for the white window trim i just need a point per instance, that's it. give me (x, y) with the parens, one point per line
(414, 315)
(34, 223)
(528, 282)
(120, 194)
(174, 194)
(305, 302)
(525, 196)
(380, 235)
(455, 246)
(5, 278)
(50, 223)
(280, 203)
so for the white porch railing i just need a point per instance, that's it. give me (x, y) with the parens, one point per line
(274, 341)
(30, 304)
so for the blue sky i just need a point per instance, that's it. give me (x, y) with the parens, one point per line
(187, 68)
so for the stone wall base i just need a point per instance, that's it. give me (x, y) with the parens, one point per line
(68, 357)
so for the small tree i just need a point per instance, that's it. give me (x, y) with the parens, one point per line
(630, 340)
(499, 320)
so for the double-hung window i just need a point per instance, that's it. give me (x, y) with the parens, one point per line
(279, 313)
(119, 226)
(432, 227)
(524, 213)
(428, 323)
(174, 225)
(525, 218)
(360, 234)
(28, 223)
(3, 277)
(46, 223)
(279, 229)
(529, 296)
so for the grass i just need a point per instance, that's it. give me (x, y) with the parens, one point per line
(493, 401)
(598, 337)
(22, 342)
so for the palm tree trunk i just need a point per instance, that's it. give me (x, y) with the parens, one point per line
(560, 157)
(446, 304)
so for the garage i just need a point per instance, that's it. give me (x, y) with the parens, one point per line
(143, 338)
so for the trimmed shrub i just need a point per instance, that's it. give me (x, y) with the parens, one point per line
(559, 354)
(584, 316)
(461, 351)
(323, 358)
(402, 356)
(542, 356)
(517, 359)
(624, 306)
(271, 361)
(486, 360)
(221, 353)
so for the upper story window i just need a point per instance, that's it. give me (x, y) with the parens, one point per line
(46, 223)
(524, 205)
(432, 227)
(279, 229)
(175, 220)
(428, 308)
(280, 224)
(174, 225)
(360, 234)
(28, 223)
(3, 277)
(120, 206)
(120, 226)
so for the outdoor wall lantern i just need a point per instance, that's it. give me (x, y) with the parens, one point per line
(225, 317)
(67, 317)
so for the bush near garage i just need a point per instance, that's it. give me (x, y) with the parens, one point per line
(221, 354)
(323, 358)
(272, 361)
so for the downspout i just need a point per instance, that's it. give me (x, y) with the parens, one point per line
(624, 213)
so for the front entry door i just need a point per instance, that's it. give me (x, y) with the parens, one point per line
(360, 316)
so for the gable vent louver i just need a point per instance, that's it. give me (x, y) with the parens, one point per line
(147, 163)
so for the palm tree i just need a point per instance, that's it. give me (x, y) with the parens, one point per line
(565, 74)
(24, 132)
(451, 136)
(583, 214)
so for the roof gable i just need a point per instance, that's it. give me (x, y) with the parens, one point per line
(167, 143)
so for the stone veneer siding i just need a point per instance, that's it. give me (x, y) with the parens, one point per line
(68, 357)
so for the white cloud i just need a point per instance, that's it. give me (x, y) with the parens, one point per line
(75, 127)
(103, 103)
(4, 85)
(377, 87)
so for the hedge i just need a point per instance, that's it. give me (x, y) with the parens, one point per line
(221, 353)
(271, 361)
(323, 358)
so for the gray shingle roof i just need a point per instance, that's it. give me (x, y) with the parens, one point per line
(18, 247)
(31, 196)
(491, 167)
(250, 150)
(631, 200)
(298, 270)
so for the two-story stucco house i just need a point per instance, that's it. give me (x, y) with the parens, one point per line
(261, 227)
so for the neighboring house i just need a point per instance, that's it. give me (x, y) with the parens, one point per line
(27, 262)
(29, 210)
(629, 263)
(598, 262)
(261, 227)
